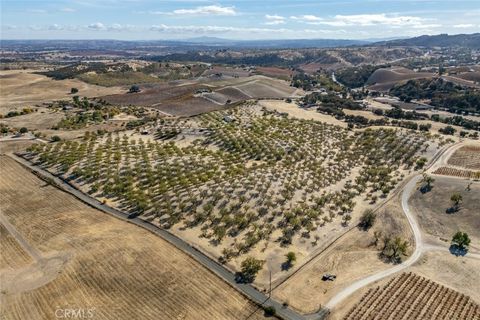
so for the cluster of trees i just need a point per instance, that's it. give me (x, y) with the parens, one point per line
(259, 58)
(398, 113)
(355, 77)
(361, 121)
(70, 72)
(443, 94)
(310, 82)
(394, 248)
(80, 120)
(332, 100)
(457, 121)
(448, 130)
(24, 111)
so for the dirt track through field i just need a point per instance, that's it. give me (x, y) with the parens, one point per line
(18, 237)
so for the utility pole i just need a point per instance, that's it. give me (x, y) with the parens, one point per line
(270, 291)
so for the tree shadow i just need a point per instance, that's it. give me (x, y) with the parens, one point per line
(243, 278)
(425, 189)
(286, 266)
(452, 210)
(458, 250)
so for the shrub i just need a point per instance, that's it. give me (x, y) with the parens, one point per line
(270, 311)
(368, 219)
(447, 130)
(134, 89)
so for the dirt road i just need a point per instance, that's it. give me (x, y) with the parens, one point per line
(420, 247)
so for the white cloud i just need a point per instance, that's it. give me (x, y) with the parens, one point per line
(55, 27)
(9, 27)
(464, 25)
(67, 10)
(97, 26)
(37, 11)
(365, 20)
(274, 19)
(213, 10)
(306, 18)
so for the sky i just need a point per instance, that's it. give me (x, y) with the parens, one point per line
(241, 19)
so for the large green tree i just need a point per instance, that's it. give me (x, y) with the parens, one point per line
(250, 267)
(461, 240)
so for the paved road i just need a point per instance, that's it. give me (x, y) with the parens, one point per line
(247, 289)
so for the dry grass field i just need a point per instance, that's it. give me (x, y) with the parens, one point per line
(409, 296)
(91, 260)
(15, 146)
(385, 79)
(23, 88)
(43, 119)
(431, 209)
(13, 256)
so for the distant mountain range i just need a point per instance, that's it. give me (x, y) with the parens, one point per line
(275, 44)
(471, 41)
(442, 40)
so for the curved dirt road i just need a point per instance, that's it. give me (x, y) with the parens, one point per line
(420, 247)
(411, 185)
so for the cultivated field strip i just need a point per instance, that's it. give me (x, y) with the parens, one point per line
(120, 270)
(454, 172)
(409, 296)
(467, 157)
(12, 254)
